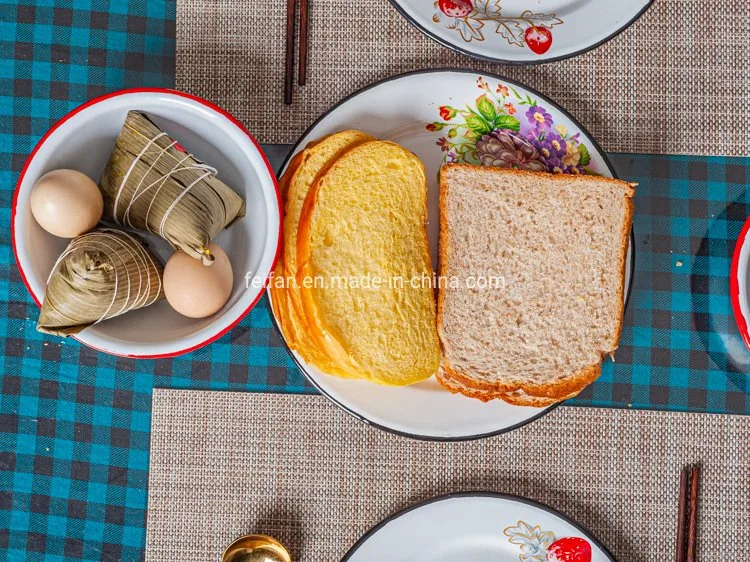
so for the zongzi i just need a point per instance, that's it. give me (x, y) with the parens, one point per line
(151, 183)
(101, 274)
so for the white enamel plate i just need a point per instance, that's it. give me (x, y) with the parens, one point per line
(439, 115)
(478, 527)
(520, 31)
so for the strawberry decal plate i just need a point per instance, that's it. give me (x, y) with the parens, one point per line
(478, 527)
(453, 116)
(519, 31)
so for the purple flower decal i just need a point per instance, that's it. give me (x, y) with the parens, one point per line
(535, 142)
(551, 145)
(503, 148)
(555, 165)
(539, 117)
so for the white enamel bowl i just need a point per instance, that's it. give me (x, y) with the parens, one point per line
(83, 140)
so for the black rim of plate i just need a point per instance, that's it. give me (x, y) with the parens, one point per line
(333, 108)
(493, 495)
(531, 61)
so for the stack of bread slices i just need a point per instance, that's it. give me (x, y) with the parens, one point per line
(558, 244)
(356, 211)
(354, 236)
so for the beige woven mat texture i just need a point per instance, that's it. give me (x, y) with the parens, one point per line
(296, 467)
(676, 82)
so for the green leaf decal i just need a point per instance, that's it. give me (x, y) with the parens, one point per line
(507, 122)
(478, 125)
(486, 108)
(585, 156)
(589, 172)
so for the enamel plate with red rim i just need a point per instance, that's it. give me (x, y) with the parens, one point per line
(521, 31)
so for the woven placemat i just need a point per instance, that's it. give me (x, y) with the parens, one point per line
(296, 467)
(675, 82)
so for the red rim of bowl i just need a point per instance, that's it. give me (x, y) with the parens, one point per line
(206, 104)
(734, 284)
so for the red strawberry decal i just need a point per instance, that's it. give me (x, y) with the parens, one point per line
(569, 549)
(456, 8)
(538, 39)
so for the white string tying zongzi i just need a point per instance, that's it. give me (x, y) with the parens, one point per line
(93, 240)
(137, 192)
(136, 195)
(130, 169)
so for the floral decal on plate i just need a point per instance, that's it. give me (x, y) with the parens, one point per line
(508, 130)
(533, 541)
(468, 18)
(542, 546)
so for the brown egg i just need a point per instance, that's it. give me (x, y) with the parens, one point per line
(66, 203)
(196, 290)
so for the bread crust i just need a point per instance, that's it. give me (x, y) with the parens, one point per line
(629, 187)
(277, 294)
(569, 386)
(625, 235)
(528, 394)
(516, 398)
(443, 239)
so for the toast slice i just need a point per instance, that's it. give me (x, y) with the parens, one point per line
(364, 219)
(551, 252)
(294, 185)
(313, 161)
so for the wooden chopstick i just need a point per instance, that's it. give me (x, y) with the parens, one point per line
(303, 19)
(695, 478)
(289, 64)
(687, 514)
(682, 515)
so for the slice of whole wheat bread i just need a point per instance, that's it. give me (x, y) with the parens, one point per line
(551, 250)
(517, 397)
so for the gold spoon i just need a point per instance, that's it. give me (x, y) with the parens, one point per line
(256, 548)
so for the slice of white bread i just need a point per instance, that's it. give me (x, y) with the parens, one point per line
(294, 185)
(303, 171)
(363, 219)
(555, 247)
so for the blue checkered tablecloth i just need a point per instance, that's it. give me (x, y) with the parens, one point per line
(74, 424)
